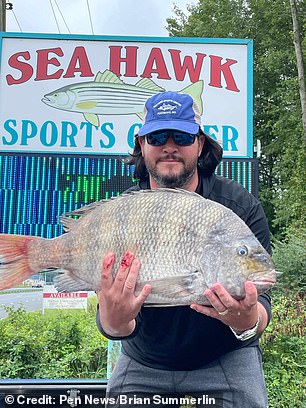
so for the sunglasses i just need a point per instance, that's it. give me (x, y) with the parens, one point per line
(160, 137)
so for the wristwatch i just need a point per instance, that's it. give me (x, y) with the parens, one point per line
(247, 334)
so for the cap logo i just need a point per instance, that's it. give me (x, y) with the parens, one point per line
(171, 110)
(167, 107)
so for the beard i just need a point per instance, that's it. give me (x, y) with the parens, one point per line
(172, 179)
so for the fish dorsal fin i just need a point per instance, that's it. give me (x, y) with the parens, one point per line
(67, 222)
(195, 91)
(147, 83)
(108, 76)
(164, 190)
(82, 211)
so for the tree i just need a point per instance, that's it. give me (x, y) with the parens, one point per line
(299, 60)
(277, 108)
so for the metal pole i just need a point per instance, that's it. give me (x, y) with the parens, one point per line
(2, 15)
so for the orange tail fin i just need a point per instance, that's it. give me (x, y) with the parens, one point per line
(14, 266)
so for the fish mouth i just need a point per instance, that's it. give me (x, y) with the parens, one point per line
(47, 100)
(264, 282)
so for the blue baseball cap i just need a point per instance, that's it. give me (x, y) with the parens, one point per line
(170, 110)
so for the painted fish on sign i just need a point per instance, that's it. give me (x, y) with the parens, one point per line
(109, 95)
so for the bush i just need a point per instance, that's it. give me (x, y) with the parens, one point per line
(289, 257)
(68, 345)
(284, 351)
(60, 345)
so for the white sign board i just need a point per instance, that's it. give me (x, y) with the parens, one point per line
(52, 299)
(85, 94)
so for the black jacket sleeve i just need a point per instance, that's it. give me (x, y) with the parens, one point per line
(108, 336)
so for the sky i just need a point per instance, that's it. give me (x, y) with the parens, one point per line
(106, 17)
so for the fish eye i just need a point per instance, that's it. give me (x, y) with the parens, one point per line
(242, 251)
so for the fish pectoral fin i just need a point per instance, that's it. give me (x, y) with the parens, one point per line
(195, 90)
(66, 282)
(175, 286)
(108, 76)
(86, 105)
(147, 83)
(92, 118)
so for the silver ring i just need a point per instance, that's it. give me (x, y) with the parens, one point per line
(225, 312)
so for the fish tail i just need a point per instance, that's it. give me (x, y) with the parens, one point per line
(195, 91)
(14, 259)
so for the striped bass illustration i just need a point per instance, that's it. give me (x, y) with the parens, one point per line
(109, 95)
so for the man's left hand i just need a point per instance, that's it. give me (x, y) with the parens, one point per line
(241, 315)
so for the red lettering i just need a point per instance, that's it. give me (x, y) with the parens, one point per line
(156, 58)
(130, 60)
(187, 65)
(79, 63)
(217, 68)
(43, 63)
(25, 69)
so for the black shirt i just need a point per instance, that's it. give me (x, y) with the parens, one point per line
(178, 338)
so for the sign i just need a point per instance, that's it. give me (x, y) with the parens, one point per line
(52, 299)
(70, 94)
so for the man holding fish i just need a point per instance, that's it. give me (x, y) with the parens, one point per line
(206, 348)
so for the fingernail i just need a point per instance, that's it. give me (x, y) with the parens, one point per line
(109, 259)
(136, 262)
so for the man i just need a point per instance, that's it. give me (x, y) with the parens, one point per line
(197, 350)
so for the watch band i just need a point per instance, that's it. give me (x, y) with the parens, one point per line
(247, 334)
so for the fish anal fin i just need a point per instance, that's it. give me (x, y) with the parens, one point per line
(66, 282)
(92, 118)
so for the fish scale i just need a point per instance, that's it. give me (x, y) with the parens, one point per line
(185, 243)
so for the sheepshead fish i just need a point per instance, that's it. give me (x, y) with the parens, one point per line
(185, 243)
(109, 95)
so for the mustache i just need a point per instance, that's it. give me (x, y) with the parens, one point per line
(170, 157)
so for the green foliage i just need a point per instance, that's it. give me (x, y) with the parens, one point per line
(68, 345)
(278, 125)
(289, 257)
(277, 107)
(59, 345)
(284, 350)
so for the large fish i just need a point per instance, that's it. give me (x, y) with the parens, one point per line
(185, 244)
(109, 95)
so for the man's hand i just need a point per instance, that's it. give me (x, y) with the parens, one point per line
(241, 315)
(118, 305)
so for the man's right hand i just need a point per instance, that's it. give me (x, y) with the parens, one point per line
(118, 304)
